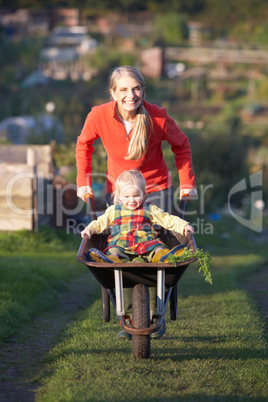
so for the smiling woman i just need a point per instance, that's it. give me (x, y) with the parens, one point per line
(128, 94)
(132, 131)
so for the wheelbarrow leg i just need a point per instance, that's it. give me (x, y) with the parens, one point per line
(105, 304)
(161, 291)
(173, 303)
(118, 279)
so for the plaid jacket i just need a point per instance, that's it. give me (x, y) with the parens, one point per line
(132, 230)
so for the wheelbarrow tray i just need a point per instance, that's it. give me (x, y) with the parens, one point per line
(135, 273)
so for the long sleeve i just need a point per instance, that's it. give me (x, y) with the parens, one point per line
(84, 151)
(103, 122)
(180, 146)
(167, 221)
(103, 222)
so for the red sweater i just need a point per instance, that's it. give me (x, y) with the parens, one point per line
(103, 122)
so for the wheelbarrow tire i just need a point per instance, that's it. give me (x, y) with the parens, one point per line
(105, 304)
(141, 347)
(173, 303)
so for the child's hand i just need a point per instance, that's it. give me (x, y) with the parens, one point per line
(188, 228)
(86, 231)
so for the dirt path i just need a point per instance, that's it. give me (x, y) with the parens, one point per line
(21, 358)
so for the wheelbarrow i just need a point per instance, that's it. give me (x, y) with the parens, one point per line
(139, 276)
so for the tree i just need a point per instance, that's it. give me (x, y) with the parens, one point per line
(170, 28)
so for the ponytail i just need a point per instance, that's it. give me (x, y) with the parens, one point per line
(138, 145)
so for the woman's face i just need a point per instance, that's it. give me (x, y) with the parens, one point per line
(128, 95)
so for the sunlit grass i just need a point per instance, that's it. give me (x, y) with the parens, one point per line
(46, 240)
(205, 353)
(215, 351)
(34, 268)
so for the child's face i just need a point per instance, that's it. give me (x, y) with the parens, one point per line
(132, 197)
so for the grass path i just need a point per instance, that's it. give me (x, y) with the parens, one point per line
(215, 352)
(257, 285)
(21, 357)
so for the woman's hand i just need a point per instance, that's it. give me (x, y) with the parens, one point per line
(82, 191)
(188, 228)
(190, 193)
(86, 231)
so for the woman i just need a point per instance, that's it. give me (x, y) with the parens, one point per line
(132, 131)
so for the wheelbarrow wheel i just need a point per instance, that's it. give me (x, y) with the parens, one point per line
(141, 319)
(173, 303)
(105, 304)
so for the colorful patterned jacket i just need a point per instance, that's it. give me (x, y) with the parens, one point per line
(133, 230)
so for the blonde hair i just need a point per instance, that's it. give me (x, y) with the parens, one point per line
(129, 178)
(138, 145)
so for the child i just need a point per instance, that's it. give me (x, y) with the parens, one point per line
(132, 234)
(132, 220)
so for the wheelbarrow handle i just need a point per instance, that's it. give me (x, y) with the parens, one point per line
(182, 205)
(90, 201)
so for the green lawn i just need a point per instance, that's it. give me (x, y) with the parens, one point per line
(34, 268)
(215, 351)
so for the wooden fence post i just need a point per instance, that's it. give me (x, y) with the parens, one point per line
(32, 161)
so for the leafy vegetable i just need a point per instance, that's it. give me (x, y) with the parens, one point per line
(203, 258)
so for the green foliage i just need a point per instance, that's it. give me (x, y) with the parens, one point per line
(222, 15)
(19, 59)
(171, 28)
(104, 59)
(219, 15)
(5, 141)
(190, 7)
(98, 163)
(250, 31)
(71, 175)
(95, 7)
(262, 90)
(204, 260)
(220, 160)
(261, 34)
(23, 51)
(64, 155)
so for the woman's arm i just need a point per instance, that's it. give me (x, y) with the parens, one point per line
(84, 151)
(180, 146)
